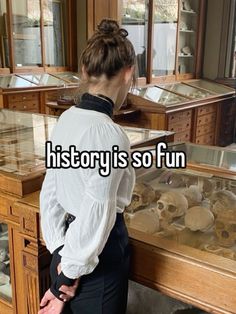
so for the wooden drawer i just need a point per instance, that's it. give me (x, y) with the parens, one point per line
(182, 136)
(23, 97)
(179, 116)
(206, 119)
(205, 129)
(206, 110)
(181, 126)
(25, 106)
(207, 139)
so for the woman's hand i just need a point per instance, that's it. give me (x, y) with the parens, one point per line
(51, 304)
(69, 291)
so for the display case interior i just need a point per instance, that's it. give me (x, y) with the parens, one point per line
(212, 87)
(44, 79)
(69, 77)
(185, 207)
(5, 281)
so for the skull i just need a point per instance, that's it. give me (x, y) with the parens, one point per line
(225, 227)
(146, 220)
(199, 218)
(193, 195)
(171, 205)
(143, 195)
(222, 200)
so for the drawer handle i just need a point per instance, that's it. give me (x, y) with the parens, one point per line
(24, 98)
(25, 107)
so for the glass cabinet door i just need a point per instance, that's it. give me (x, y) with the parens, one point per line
(4, 47)
(135, 21)
(55, 23)
(164, 37)
(188, 24)
(26, 32)
(5, 280)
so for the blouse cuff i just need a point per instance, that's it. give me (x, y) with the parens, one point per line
(75, 271)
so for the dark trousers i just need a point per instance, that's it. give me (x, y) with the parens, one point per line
(105, 290)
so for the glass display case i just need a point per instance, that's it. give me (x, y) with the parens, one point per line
(13, 81)
(69, 77)
(158, 95)
(187, 207)
(44, 79)
(210, 86)
(188, 91)
(5, 280)
(188, 24)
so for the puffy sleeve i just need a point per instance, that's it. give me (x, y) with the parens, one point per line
(88, 233)
(52, 214)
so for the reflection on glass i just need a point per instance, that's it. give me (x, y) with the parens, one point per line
(136, 135)
(160, 96)
(187, 91)
(12, 81)
(26, 32)
(4, 51)
(187, 35)
(134, 20)
(5, 280)
(211, 86)
(55, 30)
(43, 79)
(69, 77)
(164, 39)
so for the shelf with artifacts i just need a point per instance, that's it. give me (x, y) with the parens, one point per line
(182, 228)
(193, 109)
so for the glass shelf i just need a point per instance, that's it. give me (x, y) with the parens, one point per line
(70, 77)
(5, 280)
(210, 86)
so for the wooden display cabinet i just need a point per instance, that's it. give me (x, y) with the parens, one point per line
(194, 110)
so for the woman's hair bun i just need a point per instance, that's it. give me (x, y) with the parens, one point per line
(111, 27)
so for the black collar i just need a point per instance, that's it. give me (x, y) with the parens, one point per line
(98, 103)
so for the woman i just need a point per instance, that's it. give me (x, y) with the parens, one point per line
(81, 211)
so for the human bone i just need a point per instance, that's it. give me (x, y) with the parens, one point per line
(146, 220)
(172, 179)
(218, 250)
(186, 50)
(171, 205)
(225, 227)
(223, 199)
(193, 195)
(186, 5)
(3, 254)
(143, 195)
(199, 218)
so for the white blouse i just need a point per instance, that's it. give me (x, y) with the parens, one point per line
(93, 199)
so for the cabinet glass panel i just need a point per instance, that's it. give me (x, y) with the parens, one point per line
(188, 91)
(188, 24)
(134, 20)
(22, 141)
(211, 86)
(55, 31)
(4, 52)
(69, 77)
(208, 156)
(158, 95)
(164, 38)
(189, 208)
(43, 79)
(5, 280)
(13, 81)
(26, 32)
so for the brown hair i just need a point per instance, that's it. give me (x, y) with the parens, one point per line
(108, 50)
